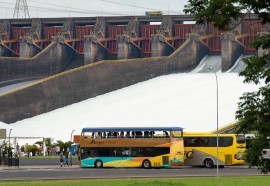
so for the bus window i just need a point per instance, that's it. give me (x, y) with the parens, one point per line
(222, 141)
(226, 141)
(191, 141)
(117, 152)
(240, 139)
(203, 142)
(126, 152)
(166, 134)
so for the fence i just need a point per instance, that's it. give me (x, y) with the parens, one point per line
(11, 162)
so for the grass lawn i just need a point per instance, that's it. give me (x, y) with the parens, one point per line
(211, 181)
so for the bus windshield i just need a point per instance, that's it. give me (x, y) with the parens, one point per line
(131, 147)
(240, 139)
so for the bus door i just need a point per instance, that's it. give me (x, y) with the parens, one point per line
(176, 154)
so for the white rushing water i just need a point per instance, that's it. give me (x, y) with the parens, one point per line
(186, 100)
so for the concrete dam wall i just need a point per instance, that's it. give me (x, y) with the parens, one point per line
(43, 47)
(92, 80)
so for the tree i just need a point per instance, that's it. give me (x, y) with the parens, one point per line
(254, 107)
(222, 12)
(33, 149)
(63, 145)
(48, 142)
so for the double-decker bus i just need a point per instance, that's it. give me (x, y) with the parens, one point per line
(201, 149)
(131, 147)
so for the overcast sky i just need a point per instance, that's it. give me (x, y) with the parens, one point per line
(89, 8)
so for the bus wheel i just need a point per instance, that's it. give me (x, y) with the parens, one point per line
(208, 163)
(98, 164)
(146, 164)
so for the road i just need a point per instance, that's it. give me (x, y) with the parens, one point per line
(9, 85)
(74, 172)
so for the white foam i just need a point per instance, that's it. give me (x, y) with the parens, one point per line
(187, 100)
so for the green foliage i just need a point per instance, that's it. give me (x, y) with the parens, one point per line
(222, 12)
(63, 145)
(22, 148)
(32, 148)
(254, 107)
(40, 143)
(254, 154)
(218, 12)
(48, 142)
(6, 149)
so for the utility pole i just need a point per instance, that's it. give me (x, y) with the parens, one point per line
(21, 9)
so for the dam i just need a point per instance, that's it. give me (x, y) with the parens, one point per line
(79, 58)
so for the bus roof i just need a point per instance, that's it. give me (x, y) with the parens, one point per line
(117, 129)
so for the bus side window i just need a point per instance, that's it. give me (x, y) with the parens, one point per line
(212, 142)
(192, 142)
(203, 142)
(226, 141)
(166, 134)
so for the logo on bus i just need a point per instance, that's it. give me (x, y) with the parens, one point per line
(189, 154)
(96, 142)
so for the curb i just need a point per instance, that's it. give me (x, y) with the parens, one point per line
(40, 167)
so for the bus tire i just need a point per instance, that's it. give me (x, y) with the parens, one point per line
(208, 163)
(146, 164)
(98, 164)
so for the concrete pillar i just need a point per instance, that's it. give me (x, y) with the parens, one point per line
(93, 51)
(199, 50)
(126, 49)
(27, 48)
(61, 54)
(189, 54)
(230, 51)
(159, 47)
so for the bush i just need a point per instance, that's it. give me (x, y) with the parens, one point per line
(33, 149)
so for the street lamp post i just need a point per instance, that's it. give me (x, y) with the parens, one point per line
(9, 150)
(9, 139)
(217, 122)
(70, 148)
(217, 119)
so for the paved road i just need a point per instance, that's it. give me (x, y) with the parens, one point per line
(9, 85)
(74, 172)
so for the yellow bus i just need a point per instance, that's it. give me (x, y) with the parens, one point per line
(131, 147)
(201, 149)
(153, 13)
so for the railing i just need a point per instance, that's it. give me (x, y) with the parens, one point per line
(10, 162)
